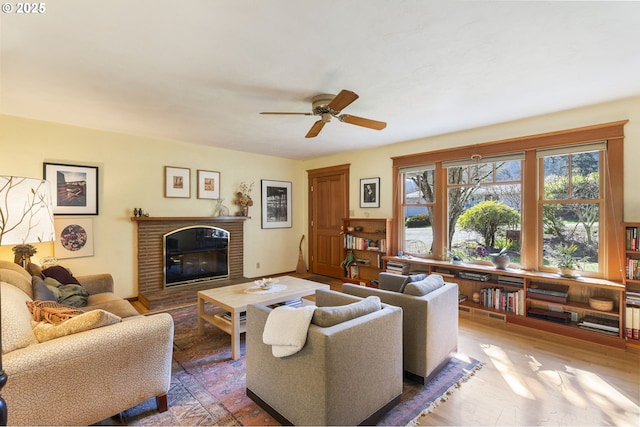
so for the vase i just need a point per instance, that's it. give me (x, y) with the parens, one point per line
(245, 211)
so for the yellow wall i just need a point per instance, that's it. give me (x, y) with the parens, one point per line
(131, 175)
(131, 171)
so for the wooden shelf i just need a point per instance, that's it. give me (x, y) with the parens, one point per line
(579, 291)
(371, 231)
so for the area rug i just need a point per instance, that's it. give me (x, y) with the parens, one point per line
(208, 387)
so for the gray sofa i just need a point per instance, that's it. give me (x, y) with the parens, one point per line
(346, 374)
(430, 322)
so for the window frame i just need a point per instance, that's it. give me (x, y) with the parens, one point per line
(611, 170)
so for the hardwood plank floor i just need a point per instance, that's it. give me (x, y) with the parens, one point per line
(536, 378)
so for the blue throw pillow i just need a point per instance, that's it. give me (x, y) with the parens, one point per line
(40, 290)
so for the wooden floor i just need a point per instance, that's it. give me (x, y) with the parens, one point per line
(536, 378)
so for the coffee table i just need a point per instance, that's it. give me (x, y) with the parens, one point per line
(234, 299)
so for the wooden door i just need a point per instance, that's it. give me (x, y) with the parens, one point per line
(328, 205)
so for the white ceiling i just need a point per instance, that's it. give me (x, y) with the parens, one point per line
(201, 71)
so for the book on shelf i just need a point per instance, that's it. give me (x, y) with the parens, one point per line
(632, 238)
(635, 323)
(444, 272)
(504, 300)
(364, 244)
(549, 289)
(600, 324)
(553, 316)
(470, 275)
(398, 267)
(631, 268)
(511, 281)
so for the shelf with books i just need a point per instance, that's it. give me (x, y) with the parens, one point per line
(367, 239)
(534, 299)
(632, 282)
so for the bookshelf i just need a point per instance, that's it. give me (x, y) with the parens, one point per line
(543, 301)
(632, 284)
(368, 239)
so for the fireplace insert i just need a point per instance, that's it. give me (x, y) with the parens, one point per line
(194, 254)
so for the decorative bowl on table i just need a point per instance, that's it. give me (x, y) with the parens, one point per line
(264, 283)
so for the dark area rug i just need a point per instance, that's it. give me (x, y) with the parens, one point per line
(208, 387)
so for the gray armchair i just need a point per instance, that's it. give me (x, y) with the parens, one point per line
(346, 374)
(429, 323)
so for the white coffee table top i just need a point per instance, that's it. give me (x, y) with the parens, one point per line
(236, 297)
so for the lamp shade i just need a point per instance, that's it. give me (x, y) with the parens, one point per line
(26, 211)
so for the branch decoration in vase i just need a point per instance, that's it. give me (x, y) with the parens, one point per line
(243, 197)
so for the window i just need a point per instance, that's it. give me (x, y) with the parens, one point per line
(545, 190)
(571, 203)
(418, 198)
(484, 203)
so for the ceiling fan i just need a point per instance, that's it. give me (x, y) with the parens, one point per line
(327, 106)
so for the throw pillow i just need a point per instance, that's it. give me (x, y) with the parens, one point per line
(16, 320)
(329, 316)
(412, 278)
(423, 287)
(41, 291)
(61, 274)
(83, 322)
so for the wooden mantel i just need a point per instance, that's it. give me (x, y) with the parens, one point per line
(190, 218)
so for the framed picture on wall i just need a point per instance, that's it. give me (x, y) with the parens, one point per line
(75, 188)
(276, 204)
(177, 182)
(370, 193)
(208, 184)
(74, 237)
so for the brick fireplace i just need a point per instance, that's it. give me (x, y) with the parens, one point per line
(151, 290)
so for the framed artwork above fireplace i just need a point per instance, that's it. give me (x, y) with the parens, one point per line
(177, 182)
(208, 184)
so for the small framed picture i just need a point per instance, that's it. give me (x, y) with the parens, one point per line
(208, 184)
(75, 188)
(276, 204)
(177, 182)
(74, 237)
(370, 193)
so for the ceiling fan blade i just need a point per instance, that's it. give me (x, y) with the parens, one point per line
(360, 121)
(342, 100)
(283, 112)
(315, 129)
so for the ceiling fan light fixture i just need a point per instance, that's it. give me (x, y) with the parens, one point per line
(326, 106)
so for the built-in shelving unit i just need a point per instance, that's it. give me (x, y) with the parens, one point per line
(368, 239)
(538, 300)
(632, 284)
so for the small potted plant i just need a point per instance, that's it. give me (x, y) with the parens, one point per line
(566, 261)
